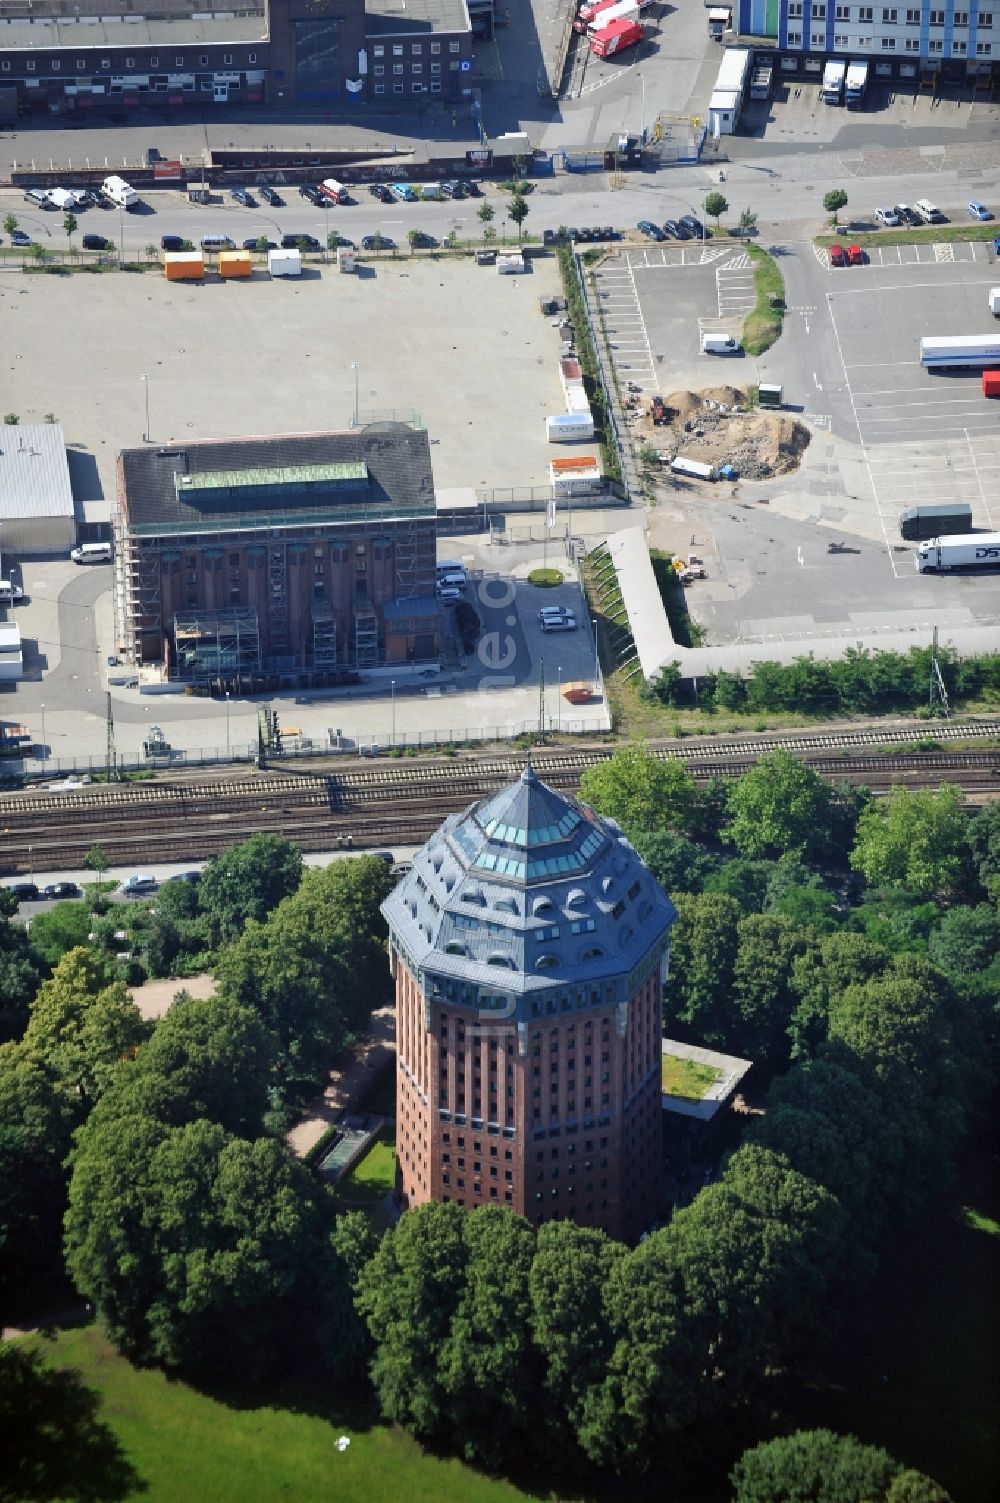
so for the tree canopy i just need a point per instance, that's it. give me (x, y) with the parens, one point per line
(246, 882)
(914, 838)
(821, 1467)
(780, 805)
(641, 791)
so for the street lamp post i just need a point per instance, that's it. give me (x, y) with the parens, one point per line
(559, 700)
(597, 655)
(121, 234)
(145, 384)
(45, 744)
(227, 724)
(392, 691)
(356, 368)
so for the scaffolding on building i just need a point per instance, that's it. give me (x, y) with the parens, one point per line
(223, 643)
(324, 644)
(365, 634)
(277, 590)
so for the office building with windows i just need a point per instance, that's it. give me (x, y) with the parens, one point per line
(59, 58)
(902, 41)
(529, 945)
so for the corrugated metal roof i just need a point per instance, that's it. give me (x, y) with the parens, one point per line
(647, 619)
(34, 475)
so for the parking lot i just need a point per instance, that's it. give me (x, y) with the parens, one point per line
(464, 348)
(657, 300)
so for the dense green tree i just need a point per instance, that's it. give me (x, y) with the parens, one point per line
(800, 894)
(839, 961)
(203, 1252)
(37, 1116)
(984, 847)
(895, 918)
(488, 1366)
(966, 939)
(697, 1001)
(781, 805)
(678, 864)
(641, 791)
(247, 881)
(211, 1058)
(83, 1025)
(746, 881)
(763, 997)
(408, 1295)
(817, 1466)
(317, 966)
(914, 838)
(914, 1487)
(62, 928)
(569, 1276)
(18, 974)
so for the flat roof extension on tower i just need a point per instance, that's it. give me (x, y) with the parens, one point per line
(402, 17)
(34, 474)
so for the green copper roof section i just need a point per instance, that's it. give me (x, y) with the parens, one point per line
(320, 475)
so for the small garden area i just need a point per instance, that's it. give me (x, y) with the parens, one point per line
(546, 579)
(687, 1078)
(372, 1178)
(762, 327)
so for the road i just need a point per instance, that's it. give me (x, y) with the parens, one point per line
(784, 190)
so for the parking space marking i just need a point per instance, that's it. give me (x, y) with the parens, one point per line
(735, 292)
(944, 251)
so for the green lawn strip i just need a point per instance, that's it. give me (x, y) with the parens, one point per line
(545, 578)
(371, 1179)
(687, 1078)
(186, 1446)
(928, 234)
(762, 327)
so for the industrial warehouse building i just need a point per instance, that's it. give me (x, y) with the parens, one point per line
(529, 944)
(58, 59)
(310, 554)
(37, 515)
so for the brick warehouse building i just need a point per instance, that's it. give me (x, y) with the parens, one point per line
(529, 944)
(60, 56)
(300, 552)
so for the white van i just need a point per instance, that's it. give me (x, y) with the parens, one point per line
(455, 581)
(450, 566)
(559, 623)
(431, 190)
(10, 594)
(91, 553)
(719, 344)
(217, 243)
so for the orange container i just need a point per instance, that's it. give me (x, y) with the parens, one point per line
(184, 266)
(991, 383)
(235, 263)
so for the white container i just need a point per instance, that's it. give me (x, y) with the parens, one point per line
(431, 190)
(284, 263)
(569, 428)
(959, 551)
(994, 296)
(576, 402)
(506, 265)
(693, 468)
(345, 258)
(962, 349)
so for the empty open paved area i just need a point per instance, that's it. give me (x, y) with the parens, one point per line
(464, 348)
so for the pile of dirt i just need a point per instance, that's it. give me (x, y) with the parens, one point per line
(715, 427)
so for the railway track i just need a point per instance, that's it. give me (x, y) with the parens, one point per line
(390, 804)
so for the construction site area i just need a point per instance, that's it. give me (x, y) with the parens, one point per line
(721, 429)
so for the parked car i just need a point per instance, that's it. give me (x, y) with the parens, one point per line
(306, 190)
(95, 242)
(294, 242)
(20, 237)
(675, 228)
(473, 189)
(377, 242)
(608, 233)
(243, 197)
(693, 225)
(560, 623)
(549, 237)
(650, 230)
(555, 613)
(60, 890)
(25, 892)
(422, 241)
(584, 234)
(270, 196)
(190, 877)
(976, 210)
(855, 255)
(403, 191)
(171, 242)
(137, 886)
(888, 217)
(252, 245)
(381, 192)
(452, 188)
(838, 256)
(906, 215)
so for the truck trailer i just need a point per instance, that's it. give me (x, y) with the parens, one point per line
(918, 523)
(760, 80)
(616, 38)
(995, 301)
(622, 10)
(832, 88)
(856, 84)
(978, 550)
(943, 352)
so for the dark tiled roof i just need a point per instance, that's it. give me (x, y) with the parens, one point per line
(398, 461)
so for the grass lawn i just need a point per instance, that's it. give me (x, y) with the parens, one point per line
(686, 1077)
(370, 1181)
(185, 1447)
(545, 578)
(927, 234)
(762, 327)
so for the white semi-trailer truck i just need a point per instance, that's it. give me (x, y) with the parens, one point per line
(977, 350)
(831, 90)
(976, 550)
